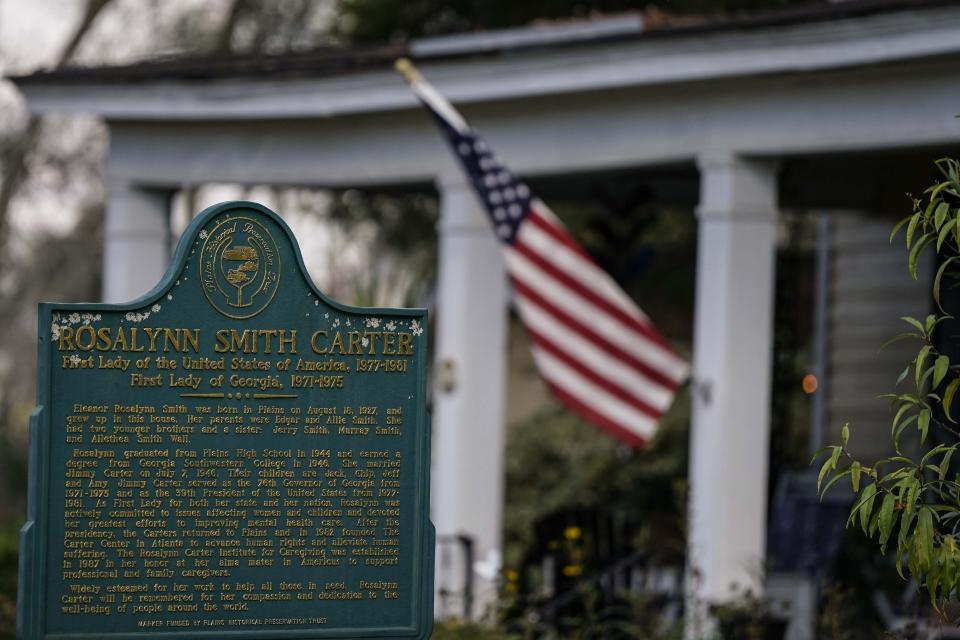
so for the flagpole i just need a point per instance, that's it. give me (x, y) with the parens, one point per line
(425, 91)
(407, 70)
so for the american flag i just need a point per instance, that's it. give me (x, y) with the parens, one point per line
(598, 352)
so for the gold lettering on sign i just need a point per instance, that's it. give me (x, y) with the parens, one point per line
(362, 342)
(129, 340)
(86, 338)
(160, 522)
(215, 479)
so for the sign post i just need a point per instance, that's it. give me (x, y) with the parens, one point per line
(233, 455)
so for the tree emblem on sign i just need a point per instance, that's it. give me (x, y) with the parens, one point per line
(239, 267)
(242, 275)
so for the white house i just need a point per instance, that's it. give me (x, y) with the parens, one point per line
(838, 108)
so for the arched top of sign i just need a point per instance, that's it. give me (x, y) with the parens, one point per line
(246, 256)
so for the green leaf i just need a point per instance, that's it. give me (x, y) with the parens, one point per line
(943, 235)
(855, 476)
(895, 474)
(866, 505)
(940, 367)
(844, 435)
(819, 453)
(919, 363)
(896, 419)
(829, 465)
(834, 480)
(912, 227)
(948, 394)
(923, 379)
(899, 564)
(941, 214)
(923, 424)
(943, 165)
(886, 519)
(898, 338)
(911, 488)
(935, 196)
(835, 456)
(931, 586)
(899, 226)
(939, 277)
(945, 464)
(937, 450)
(903, 425)
(914, 322)
(905, 522)
(824, 470)
(913, 557)
(915, 252)
(903, 375)
(925, 535)
(935, 191)
(874, 523)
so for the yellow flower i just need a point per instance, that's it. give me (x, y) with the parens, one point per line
(572, 570)
(572, 533)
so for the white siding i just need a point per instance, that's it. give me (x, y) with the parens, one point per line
(870, 290)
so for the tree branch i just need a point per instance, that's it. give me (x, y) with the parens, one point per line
(15, 167)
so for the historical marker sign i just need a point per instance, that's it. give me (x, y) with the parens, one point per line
(231, 456)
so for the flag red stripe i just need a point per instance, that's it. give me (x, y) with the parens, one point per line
(591, 295)
(533, 296)
(557, 233)
(587, 413)
(604, 383)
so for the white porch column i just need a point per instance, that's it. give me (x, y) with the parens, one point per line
(468, 400)
(731, 381)
(136, 242)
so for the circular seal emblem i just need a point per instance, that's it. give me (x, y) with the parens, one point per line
(239, 267)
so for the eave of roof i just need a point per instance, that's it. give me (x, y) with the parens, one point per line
(334, 61)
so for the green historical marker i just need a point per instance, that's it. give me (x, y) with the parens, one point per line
(231, 456)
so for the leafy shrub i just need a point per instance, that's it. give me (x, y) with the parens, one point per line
(911, 503)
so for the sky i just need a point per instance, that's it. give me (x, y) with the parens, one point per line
(32, 32)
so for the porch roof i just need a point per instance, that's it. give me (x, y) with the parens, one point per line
(551, 59)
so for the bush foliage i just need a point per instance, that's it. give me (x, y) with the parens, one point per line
(911, 502)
